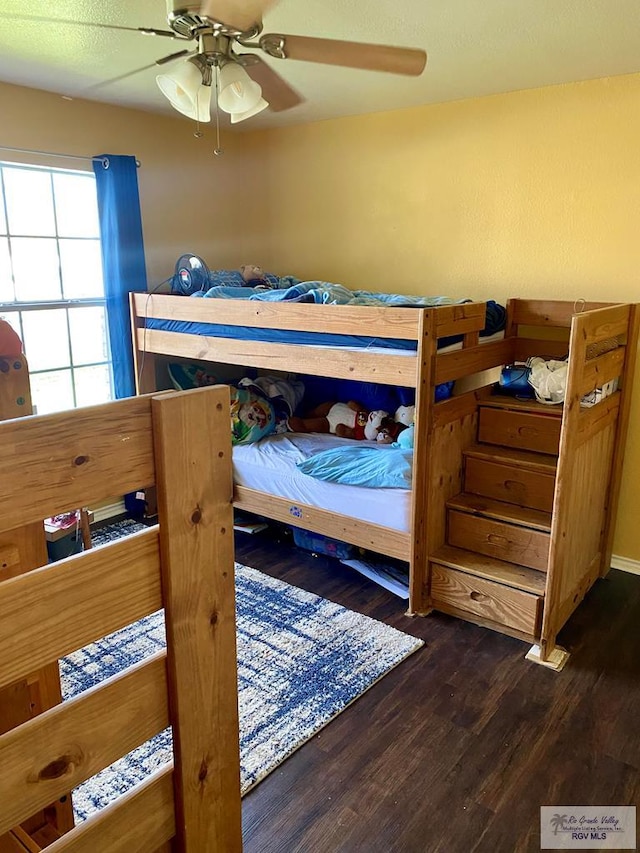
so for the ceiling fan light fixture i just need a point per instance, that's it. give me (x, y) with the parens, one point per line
(261, 105)
(186, 92)
(238, 93)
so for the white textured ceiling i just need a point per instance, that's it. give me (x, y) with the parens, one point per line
(475, 48)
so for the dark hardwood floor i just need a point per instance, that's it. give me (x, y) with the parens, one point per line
(457, 748)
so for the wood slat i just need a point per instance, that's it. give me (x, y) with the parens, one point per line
(464, 362)
(539, 312)
(505, 401)
(521, 459)
(602, 369)
(477, 505)
(193, 461)
(140, 821)
(373, 321)
(467, 317)
(595, 418)
(605, 323)
(454, 409)
(384, 540)
(76, 601)
(489, 568)
(107, 451)
(524, 348)
(56, 751)
(345, 364)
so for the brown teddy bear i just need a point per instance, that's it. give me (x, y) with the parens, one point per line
(348, 420)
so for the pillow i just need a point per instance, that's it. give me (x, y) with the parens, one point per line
(361, 466)
(252, 415)
(186, 376)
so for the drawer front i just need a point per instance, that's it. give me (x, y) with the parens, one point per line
(506, 483)
(524, 430)
(495, 601)
(519, 545)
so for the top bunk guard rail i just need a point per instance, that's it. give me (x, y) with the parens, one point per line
(385, 368)
(374, 321)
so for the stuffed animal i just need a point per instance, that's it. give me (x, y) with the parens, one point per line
(405, 438)
(389, 430)
(349, 420)
(405, 415)
(10, 343)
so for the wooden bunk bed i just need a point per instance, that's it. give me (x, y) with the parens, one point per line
(50, 464)
(467, 533)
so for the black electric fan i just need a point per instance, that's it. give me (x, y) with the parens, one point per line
(191, 275)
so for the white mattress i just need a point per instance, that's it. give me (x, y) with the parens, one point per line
(270, 466)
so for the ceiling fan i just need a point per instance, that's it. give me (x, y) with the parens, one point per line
(244, 83)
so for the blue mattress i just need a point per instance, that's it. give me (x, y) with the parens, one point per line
(281, 336)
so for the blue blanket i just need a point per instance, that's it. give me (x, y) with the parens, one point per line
(326, 293)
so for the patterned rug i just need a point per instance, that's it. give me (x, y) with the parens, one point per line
(301, 661)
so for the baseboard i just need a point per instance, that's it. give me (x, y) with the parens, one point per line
(104, 513)
(625, 564)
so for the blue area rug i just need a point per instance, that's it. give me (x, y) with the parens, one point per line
(301, 661)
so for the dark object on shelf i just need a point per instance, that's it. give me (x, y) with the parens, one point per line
(514, 380)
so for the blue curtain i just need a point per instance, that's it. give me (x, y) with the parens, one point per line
(123, 262)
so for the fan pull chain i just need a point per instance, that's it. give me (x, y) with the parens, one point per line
(198, 133)
(217, 150)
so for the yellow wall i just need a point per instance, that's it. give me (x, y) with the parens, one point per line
(533, 193)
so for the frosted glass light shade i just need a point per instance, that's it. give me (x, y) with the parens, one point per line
(261, 105)
(186, 92)
(238, 92)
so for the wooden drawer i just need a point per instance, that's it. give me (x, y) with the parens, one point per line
(487, 599)
(527, 431)
(506, 483)
(510, 542)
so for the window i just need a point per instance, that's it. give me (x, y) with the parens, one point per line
(51, 286)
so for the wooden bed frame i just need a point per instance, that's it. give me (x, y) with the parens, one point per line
(50, 464)
(592, 439)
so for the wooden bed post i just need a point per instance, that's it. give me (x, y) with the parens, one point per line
(419, 556)
(144, 363)
(202, 624)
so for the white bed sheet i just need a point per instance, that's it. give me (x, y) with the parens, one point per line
(270, 466)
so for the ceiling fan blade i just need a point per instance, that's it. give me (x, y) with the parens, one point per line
(350, 54)
(239, 14)
(150, 31)
(162, 61)
(275, 90)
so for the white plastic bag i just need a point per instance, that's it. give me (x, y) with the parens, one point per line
(548, 379)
